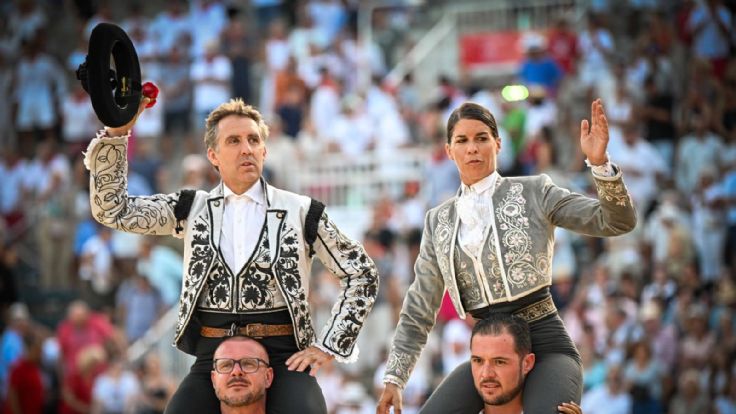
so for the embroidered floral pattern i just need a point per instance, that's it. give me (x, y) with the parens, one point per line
(360, 281)
(257, 286)
(111, 204)
(523, 270)
(399, 366)
(443, 234)
(467, 283)
(613, 191)
(217, 293)
(537, 310)
(253, 289)
(200, 261)
(444, 231)
(287, 272)
(492, 266)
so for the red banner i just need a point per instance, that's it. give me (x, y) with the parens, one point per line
(490, 49)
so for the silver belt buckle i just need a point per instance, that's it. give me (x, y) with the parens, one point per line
(233, 330)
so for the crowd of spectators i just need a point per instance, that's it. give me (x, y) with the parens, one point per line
(652, 312)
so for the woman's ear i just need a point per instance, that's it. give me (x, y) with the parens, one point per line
(448, 152)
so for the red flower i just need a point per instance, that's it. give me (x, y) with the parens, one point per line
(150, 91)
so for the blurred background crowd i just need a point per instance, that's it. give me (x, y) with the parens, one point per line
(357, 94)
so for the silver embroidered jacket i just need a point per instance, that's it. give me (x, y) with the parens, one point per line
(516, 254)
(346, 259)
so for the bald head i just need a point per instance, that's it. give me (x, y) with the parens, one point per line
(243, 342)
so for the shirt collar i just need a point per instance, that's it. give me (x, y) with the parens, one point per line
(483, 185)
(255, 193)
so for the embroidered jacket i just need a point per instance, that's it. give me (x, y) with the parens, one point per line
(515, 258)
(106, 158)
(253, 288)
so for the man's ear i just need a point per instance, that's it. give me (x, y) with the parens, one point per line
(212, 377)
(269, 377)
(528, 362)
(212, 156)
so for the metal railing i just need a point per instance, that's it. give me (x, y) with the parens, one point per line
(339, 181)
(512, 15)
(158, 339)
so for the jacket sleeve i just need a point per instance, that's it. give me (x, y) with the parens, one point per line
(612, 214)
(418, 314)
(347, 260)
(106, 159)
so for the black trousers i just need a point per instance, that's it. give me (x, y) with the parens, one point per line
(557, 377)
(290, 392)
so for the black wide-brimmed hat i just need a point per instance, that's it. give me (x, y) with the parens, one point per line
(115, 93)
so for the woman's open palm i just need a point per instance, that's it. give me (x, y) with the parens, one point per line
(594, 136)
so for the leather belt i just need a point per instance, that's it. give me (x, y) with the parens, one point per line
(537, 310)
(253, 330)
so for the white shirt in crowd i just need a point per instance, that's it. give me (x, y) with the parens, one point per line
(600, 401)
(208, 94)
(455, 340)
(170, 29)
(12, 185)
(694, 155)
(96, 266)
(115, 394)
(210, 20)
(642, 163)
(325, 108)
(80, 121)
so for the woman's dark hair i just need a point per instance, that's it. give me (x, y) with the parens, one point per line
(470, 110)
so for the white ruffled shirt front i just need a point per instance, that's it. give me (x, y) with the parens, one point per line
(474, 209)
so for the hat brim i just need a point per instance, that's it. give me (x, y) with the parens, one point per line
(115, 94)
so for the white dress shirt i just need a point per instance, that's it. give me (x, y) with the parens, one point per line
(474, 208)
(242, 222)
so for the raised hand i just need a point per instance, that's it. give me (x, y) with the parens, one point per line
(594, 136)
(116, 132)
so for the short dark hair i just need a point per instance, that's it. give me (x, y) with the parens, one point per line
(471, 110)
(500, 323)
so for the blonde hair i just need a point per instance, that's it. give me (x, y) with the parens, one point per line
(232, 107)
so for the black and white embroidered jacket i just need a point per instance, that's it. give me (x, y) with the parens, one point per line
(106, 158)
